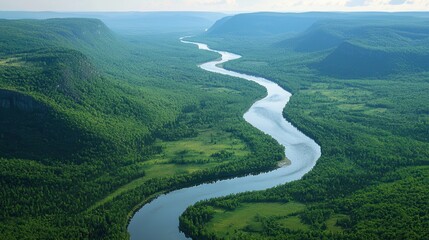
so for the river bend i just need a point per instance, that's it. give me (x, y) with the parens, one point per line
(159, 219)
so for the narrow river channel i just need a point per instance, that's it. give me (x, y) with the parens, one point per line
(159, 219)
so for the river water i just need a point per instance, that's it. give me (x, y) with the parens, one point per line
(159, 219)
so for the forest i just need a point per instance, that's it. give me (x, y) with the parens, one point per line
(372, 124)
(99, 117)
(94, 124)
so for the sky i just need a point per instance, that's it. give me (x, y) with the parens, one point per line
(215, 5)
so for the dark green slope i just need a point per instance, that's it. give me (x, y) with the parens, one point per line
(90, 36)
(366, 48)
(316, 38)
(85, 34)
(31, 130)
(70, 59)
(352, 60)
(41, 59)
(35, 84)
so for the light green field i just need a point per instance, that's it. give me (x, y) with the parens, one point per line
(293, 222)
(332, 221)
(352, 100)
(15, 62)
(248, 217)
(255, 63)
(186, 156)
(251, 217)
(219, 90)
(351, 107)
(199, 150)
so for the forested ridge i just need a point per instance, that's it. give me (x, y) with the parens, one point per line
(94, 124)
(372, 126)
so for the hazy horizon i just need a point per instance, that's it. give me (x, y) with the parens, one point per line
(228, 6)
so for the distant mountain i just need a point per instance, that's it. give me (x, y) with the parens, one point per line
(366, 47)
(134, 22)
(355, 61)
(255, 24)
(393, 33)
(161, 22)
(265, 24)
(88, 34)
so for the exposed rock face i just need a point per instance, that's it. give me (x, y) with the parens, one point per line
(10, 100)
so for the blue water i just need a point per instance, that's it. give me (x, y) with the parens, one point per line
(159, 219)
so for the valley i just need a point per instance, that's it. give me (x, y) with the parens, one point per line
(364, 146)
(100, 117)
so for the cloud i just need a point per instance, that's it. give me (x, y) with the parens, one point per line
(211, 2)
(206, 2)
(355, 3)
(397, 2)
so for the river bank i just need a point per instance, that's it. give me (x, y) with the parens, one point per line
(159, 219)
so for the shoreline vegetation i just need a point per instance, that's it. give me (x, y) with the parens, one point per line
(132, 121)
(95, 119)
(162, 213)
(370, 181)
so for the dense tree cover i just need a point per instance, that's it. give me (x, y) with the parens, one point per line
(85, 118)
(371, 181)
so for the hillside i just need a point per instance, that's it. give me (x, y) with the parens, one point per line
(44, 59)
(382, 33)
(33, 85)
(352, 60)
(263, 24)
(93, 124)
(363, 48)
(270, 24)
(80, 34)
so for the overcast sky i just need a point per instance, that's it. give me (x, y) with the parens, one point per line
(215, 5)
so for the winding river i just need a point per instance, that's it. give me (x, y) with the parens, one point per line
(159, 219)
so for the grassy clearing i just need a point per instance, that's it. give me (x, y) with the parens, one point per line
(293, 222)
(219, 90)
(345, 95)
(11, 62)
(202, 148)
(254, 217)
(249, 217)
(186, 156)
(351, 107)
(256, 63)
(331, 223)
